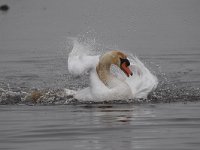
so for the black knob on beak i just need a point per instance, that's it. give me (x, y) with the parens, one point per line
(125, 60)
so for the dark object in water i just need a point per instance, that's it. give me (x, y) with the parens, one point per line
(4, 8)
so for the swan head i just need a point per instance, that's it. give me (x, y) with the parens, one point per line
(117, 58)
(120, 59)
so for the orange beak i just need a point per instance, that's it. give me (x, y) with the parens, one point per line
(126, 69)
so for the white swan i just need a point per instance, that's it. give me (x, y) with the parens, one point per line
(107, 80)
(103, 84)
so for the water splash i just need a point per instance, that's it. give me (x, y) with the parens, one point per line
(166, 91)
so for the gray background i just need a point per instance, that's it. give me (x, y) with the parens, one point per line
(141, 26)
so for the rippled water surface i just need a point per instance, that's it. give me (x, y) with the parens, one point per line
(150, 126)
(34, 47)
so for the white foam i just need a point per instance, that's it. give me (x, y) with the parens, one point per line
(137, 86)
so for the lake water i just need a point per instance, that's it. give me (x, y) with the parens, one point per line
(149, 127)
(34, 46)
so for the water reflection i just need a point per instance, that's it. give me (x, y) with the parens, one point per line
(97, 127)
(117, 125)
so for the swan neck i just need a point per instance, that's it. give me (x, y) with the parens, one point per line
(103, 71)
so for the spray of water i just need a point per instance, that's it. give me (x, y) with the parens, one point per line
(146, 85)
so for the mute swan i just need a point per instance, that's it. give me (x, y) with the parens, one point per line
(137, 81)
(104, 85)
